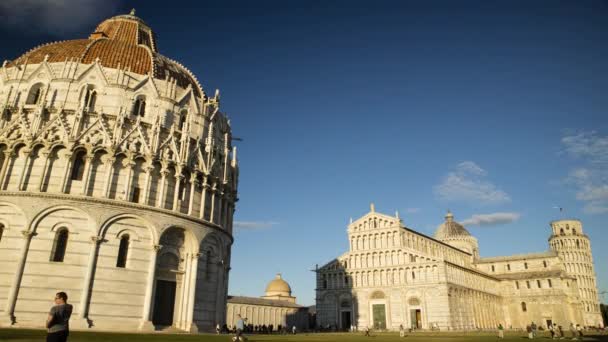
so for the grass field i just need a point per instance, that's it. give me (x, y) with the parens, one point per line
(19, 335)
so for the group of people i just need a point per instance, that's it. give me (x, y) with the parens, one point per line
(556, 331)
(242, 327)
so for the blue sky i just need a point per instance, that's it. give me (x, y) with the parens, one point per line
(486, 108)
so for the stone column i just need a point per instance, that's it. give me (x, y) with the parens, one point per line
(26, 163)
(88, 282)
(46, 154)
(219, 207)
(203, 198)
(190, 326)
(146, 320)
(160, 201)
(212, 217)
(182, 306)
(14, 290)
(87, 172)
(8, 155)
(66, 172)
(178, 184)
(109, 172)
(129, 178)
(193, 184)
(147, 183)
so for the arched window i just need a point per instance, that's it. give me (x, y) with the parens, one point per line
(545, 264)
(139, 108)
(182, 119)
(523, 307)
(538, 284)
(60, 245)
(525, 265)
(549, 283)
(574, 231)
(517, 285)
(90, 100)
(1, 231)
(578, 245)
(493, 268)
(123, 251)
(78, 166)
(561, 231)
(33, 97)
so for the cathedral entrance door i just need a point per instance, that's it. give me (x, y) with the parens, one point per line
(416, 318)
(379, 316)
(164, 302)
(346, 320)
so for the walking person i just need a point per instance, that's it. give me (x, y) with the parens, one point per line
(401, 331)
(573, 331)
(58, 320)
(501, 331)
(579, 329)
(552, 331)
(240, 326)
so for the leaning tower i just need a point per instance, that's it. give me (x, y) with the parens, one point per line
(574, 249)
(118, 184)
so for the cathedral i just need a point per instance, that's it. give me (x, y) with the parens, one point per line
(118, 184)
(394, 276)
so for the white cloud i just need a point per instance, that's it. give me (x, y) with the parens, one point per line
(591, 179)
(491, 219)
(467, 183)
(587, 145)
(55, 17)
(253, 225)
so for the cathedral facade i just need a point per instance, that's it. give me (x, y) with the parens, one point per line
(118, 184)
(393, 275)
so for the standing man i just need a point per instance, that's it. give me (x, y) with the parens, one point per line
(240, 325)
(58, 320)
(501, 331)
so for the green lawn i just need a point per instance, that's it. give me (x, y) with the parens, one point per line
(19, 335)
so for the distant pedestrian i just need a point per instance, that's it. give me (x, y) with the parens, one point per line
(367, 332)
(551, 331)
(529, 331)
(217, 328)
(58, 320)
(501, 331)
(240, 326)
(573, 331)
(401, 331)
(579, 329)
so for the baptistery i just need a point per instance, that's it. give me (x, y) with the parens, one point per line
(118, 185)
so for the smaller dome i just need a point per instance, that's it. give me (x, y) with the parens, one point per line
(278, 286)
(450, 229)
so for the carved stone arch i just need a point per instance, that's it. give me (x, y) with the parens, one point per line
(190, 240)
(13, 217)
(103, 228)
(33, 226)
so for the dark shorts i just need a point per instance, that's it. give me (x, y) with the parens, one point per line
(59, 336)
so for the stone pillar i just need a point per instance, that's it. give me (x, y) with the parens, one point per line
(26, 163)
(160, 201)
(82, 321)
(109, 172)
(193, 184)
(128, 180)
(66, 172)
(147, 183)
(14, 290)
(203, 198)
(146, 320)
(178, 184)
(46, 154)
(190, 326)
(87, 172)
(212, 217)
(182, 305)
(8, 155)
(219, 208)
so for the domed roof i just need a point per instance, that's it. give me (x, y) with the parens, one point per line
(278, 286)
(120, 42)
(450, 229)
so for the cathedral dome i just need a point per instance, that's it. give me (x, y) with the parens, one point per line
(450, 229)
(121, 42)
(278, 287)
